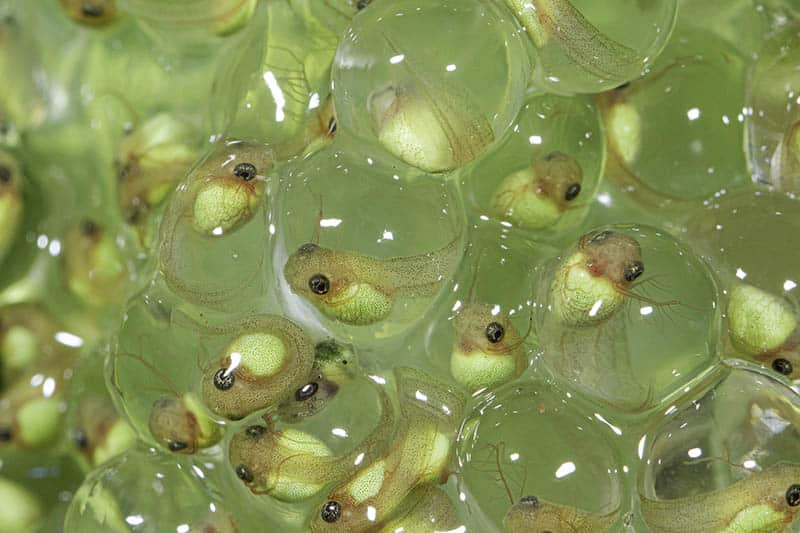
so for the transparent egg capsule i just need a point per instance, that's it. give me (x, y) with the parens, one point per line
(278, 86)
(214, 231)
(670, 134)
(436, 112)
(531, 460)
(726, 18)
(544, 173)
(724, 457)
(582, 46)
(370, 276)
(749, 239)
(147, 491)
(427, 508)
(628, 315)
(484, 337)
(773, 120)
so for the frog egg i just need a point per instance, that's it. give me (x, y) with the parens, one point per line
(277, 88)
(153, 492)
(209, 251)
(628, 316)
(436, 112)
(154, 375)
(373, 276)
(747, 239)
(581, 46)
(773, 127)
(27, 335)
(732, 438)
(22, 103)
(483, 334)
(499, 465)
(544, 173)
(669, 134)
(92, 13)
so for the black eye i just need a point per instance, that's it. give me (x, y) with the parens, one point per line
(246, 171)
(361, 4)
(308, 247)
(306, 391)
(80, 439)
(572, 192)
(495, 332)
(782, 366)
(319, 284)
(91, 10)
(244, 473)
(793, 495)
(89, 227)
(332, 126)
(223, 380)
(551, 156)
(331, 512)
(5, 174)
(255, 431)
(5, 434)
(633, 271)
(529, 500)
(177, 446)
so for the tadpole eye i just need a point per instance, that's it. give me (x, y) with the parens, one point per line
(80, 439)
(495, 332)
(361, 4)
(601, 236)
(223, 379)
(319, 284)
(6, 434)
(89, 227)
(793, 495)
(308, 248)
(176, 445)
(306, 391)
(89, 9)
(533, 501)
(244, 473)
(782, 366)
(572, 192)
(246, 171)
(633, 271)
(332, 126)
(5, 174)
(331, 512)
(255, 431)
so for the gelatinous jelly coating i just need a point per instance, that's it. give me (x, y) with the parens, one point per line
(581, 48)
(217, 17)
(269, 358)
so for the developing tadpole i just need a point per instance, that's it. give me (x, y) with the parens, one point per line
(99, 432)
(267, 359)
(763, 501)
(95, 269)
(428, 125)
(419, 454)
(537, 196)
(358, 289)
(535, 515)
(293, 465)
